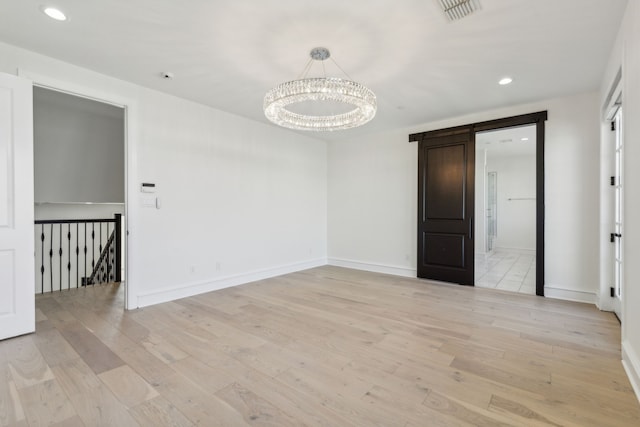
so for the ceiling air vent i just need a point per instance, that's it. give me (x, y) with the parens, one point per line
(458, 9)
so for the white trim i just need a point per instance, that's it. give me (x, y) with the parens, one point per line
(631, 364)
(570, 294)
(374, 267)
(190, 289)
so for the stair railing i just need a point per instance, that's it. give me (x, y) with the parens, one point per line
(72, 253)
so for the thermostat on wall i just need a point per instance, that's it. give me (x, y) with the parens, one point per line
(148, 187)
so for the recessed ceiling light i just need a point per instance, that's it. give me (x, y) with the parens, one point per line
(505, 81)
(524, 139)
(54, 13)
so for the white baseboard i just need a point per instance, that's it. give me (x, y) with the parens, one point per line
(569, 294)
(631, 364)
(195, 288)
(374, 267)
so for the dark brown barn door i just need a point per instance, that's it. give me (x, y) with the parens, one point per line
(446, 164)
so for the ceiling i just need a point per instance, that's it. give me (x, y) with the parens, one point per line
(227, 54)
(508, 142)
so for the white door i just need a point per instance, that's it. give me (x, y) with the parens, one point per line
(17, 282)
(617, 224)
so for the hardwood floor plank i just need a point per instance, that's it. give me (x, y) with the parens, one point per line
(129, 387)
(11, 411)
(218, 377)
(197, 405)
(474, 416)
(159, 412)
(522, 379)
(93, 402)
(97, 355)
(45, 403)
(255, 410)
(292, 402)
(347, 406)
(417, 413)
(53, 346)
(163, 349)
(101, 408)
(74, 421)
(25, 362)
(76, 377)
(526, 414)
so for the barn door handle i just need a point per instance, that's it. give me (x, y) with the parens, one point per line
(470, 228)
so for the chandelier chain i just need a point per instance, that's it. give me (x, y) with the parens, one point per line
(343, 71)
(306, 69)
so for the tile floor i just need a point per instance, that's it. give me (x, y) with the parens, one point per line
(508, 270)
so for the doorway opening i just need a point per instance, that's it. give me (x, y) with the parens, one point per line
(446, 199)
(505, 206)
(79, 191)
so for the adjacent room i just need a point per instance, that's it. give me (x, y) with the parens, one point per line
(292, 213)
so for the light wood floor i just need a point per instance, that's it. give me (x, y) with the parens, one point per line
(324, 347)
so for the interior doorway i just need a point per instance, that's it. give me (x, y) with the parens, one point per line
(505, 230)
(446, 199)
(79, 191)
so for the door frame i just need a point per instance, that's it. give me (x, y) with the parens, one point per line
(618, 202)
(538, 118)
(130, 169)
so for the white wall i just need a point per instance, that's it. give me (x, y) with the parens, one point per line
(373, 193)
(372, 206)
(78, 149)
(77, 211)
(516, 179)
(241, 200)
(626, 52)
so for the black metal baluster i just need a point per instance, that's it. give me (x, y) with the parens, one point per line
(107, 277)
(111, 260)
(42, 259)
(118, 243)
(84, 280)
(100, 254)
(51, 259)
(77, 255)
(93, 248)
(69, 256)
(60, 257)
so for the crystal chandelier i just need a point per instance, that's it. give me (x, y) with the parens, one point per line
(280, 100)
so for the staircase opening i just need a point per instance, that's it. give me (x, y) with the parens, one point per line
(79, 187)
